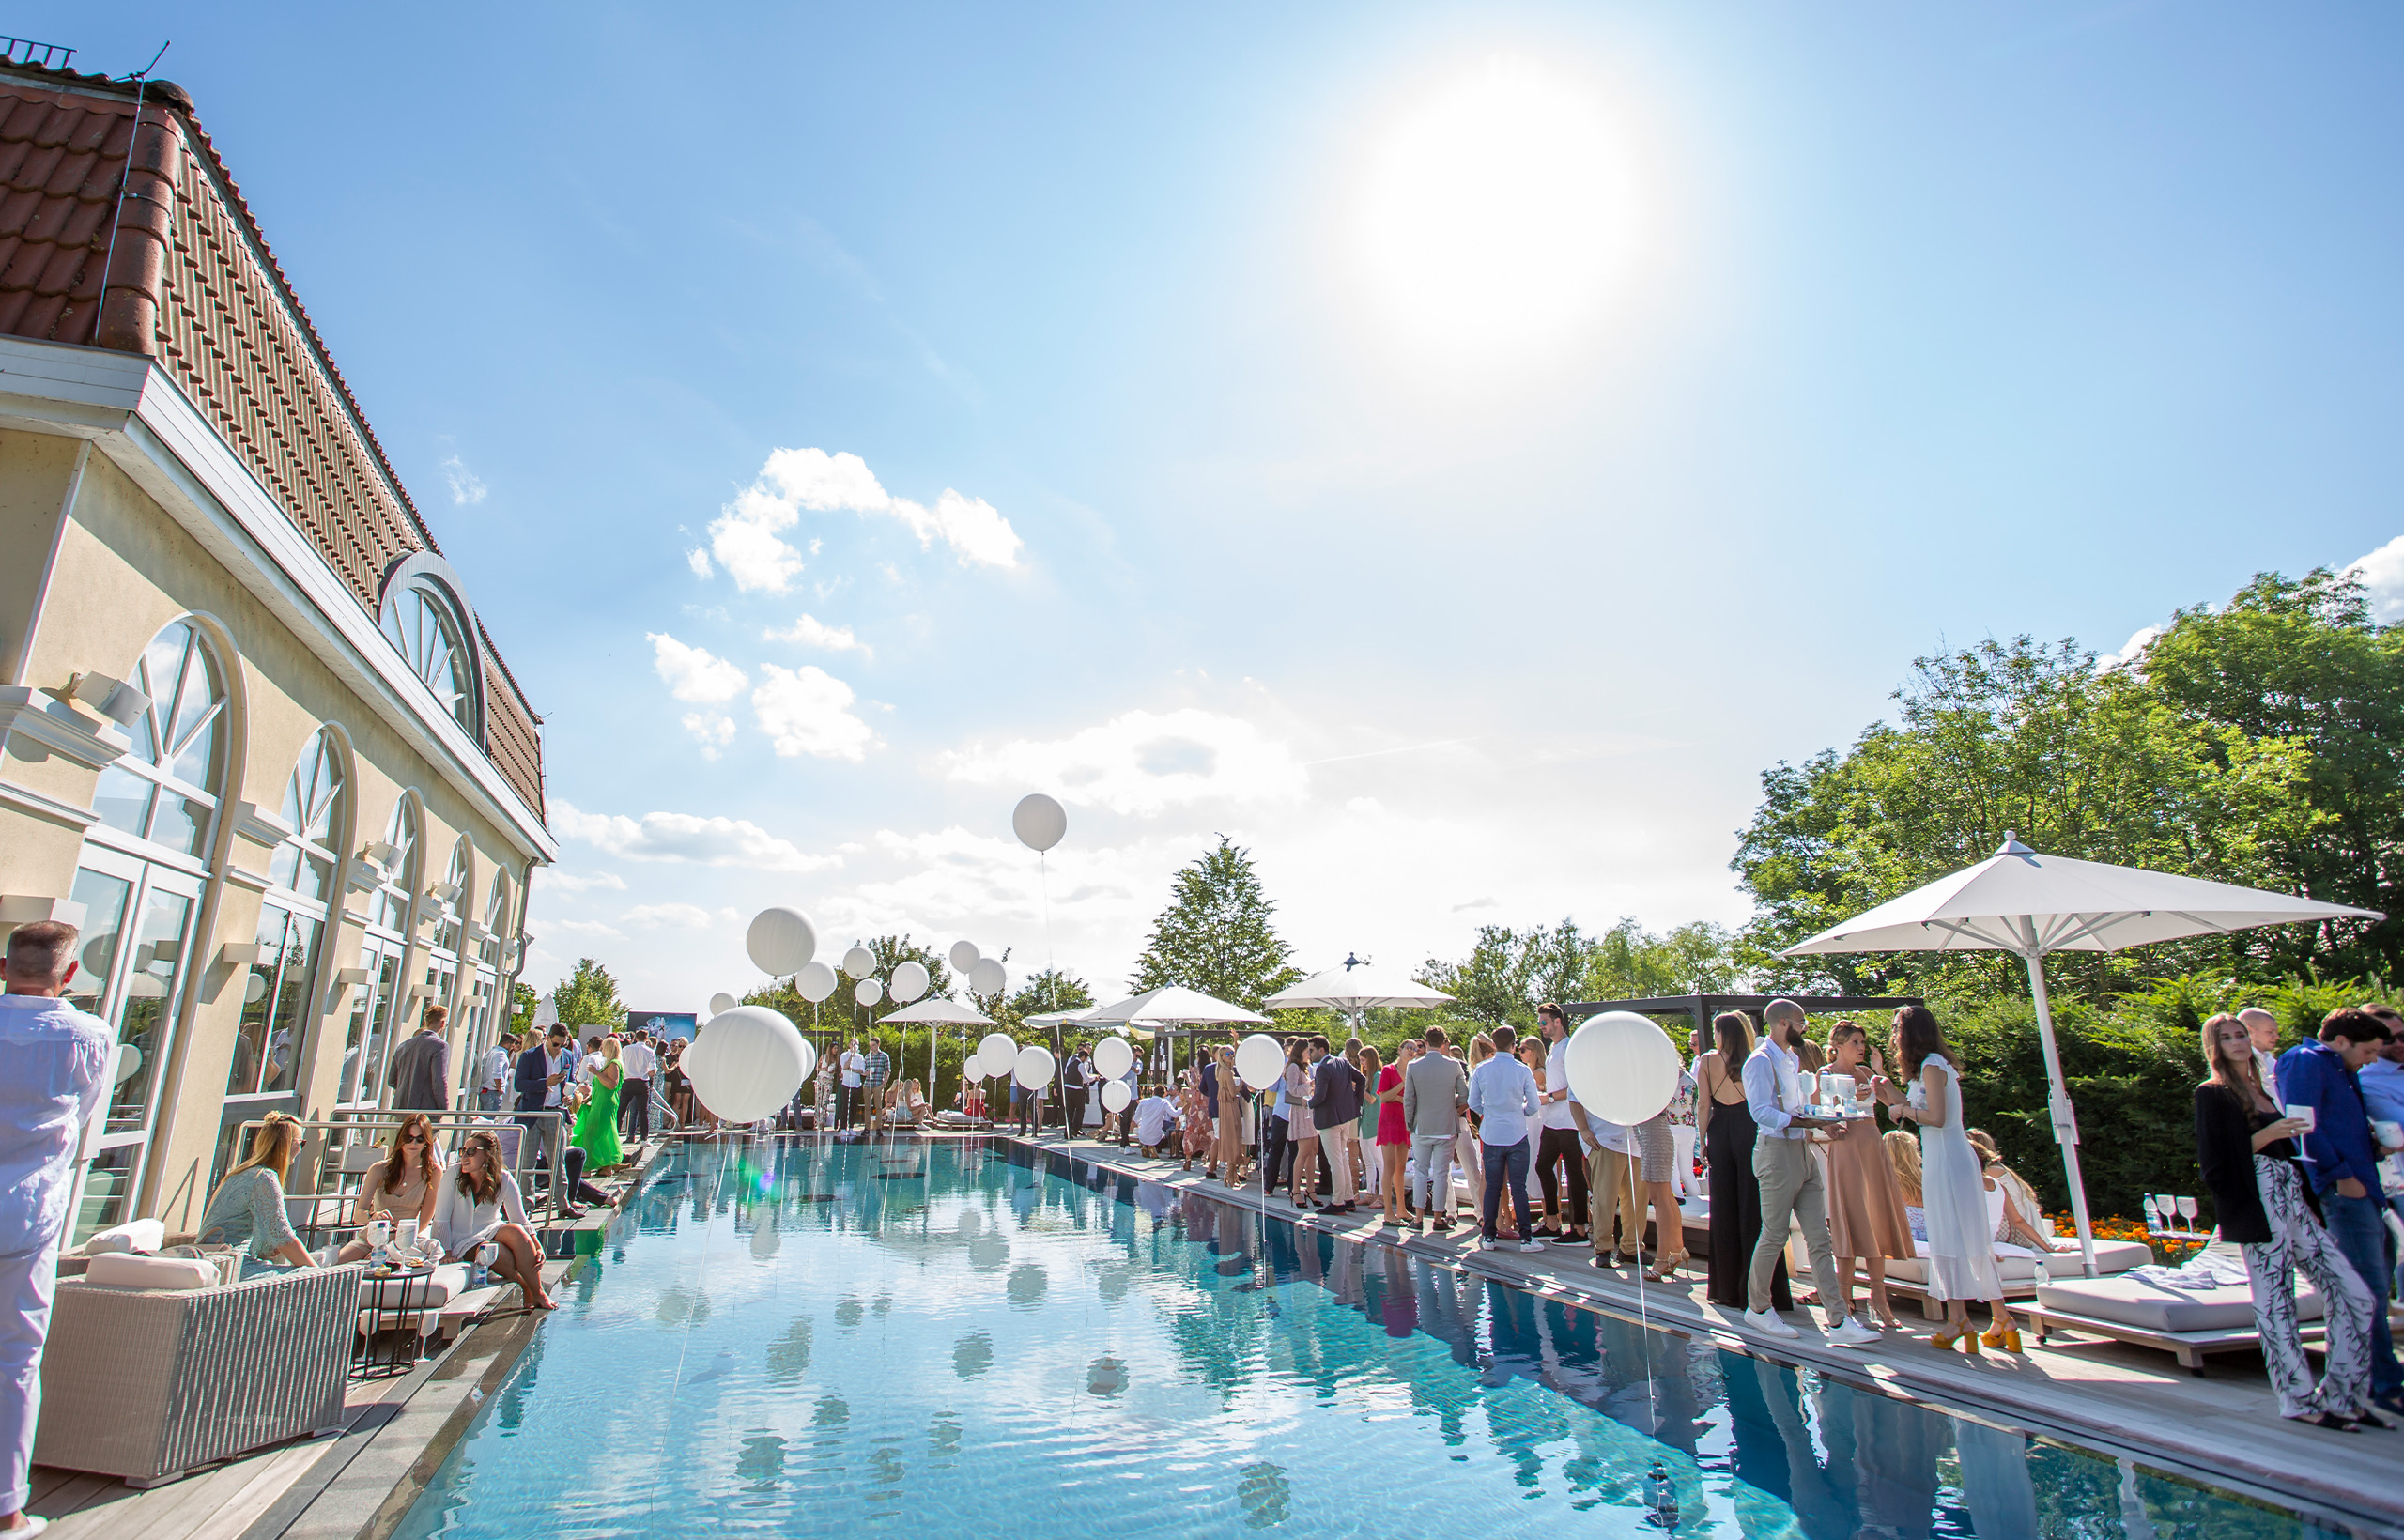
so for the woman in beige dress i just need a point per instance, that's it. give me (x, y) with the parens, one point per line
(1866, 1216)
(1228, 1153)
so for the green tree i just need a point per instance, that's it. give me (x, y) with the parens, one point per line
(1218, 933)
(1508, 973)
(1630, 962)
(1049, 990)
(523, 1003)
(2007, 738)
(2302, 661)
(589, 998)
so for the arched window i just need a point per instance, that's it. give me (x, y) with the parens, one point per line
(449, 920)
(495, 920)
(426, 618)
(390, 907)
(165, 789)
(312, 805)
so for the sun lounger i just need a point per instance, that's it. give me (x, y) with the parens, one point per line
(2188, 1323)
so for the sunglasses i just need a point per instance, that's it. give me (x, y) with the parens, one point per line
(413, 1138)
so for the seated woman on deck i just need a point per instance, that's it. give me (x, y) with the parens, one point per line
(482, 1204)
(247, 1210)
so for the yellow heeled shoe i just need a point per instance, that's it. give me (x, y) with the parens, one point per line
(2006, 1338)
(1943, 1342)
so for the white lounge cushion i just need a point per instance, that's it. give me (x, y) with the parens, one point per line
(2018, 1265)
(141, 1234)
(429, 1291)
(2134, 1301)
(123, 1270)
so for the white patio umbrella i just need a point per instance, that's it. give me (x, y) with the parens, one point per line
(1172, 1005)
(2028, 904)
(938, 1012)
(1353, 988)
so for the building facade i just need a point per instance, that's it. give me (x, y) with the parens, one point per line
(253, 738)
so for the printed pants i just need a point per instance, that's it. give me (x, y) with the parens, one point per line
(2297, 1241)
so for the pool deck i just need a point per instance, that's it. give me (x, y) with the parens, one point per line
(347, 1485)
(2124, 1401)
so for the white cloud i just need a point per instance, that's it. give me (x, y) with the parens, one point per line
(699, 560)
(2139, 640)
(591, 927)
(466, 485)
(714, 731)
(681, 917)
(747, 537)
(1144, 762)
(2383, 577)
(809, 631)
(553, 880)
(693, 674)
(685, 837)
(808, 711)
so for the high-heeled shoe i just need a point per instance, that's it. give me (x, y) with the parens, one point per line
(1665, 1267)
(2005, 1337)
(1943, 1342)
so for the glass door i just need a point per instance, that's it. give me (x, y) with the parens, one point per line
(137, 938)
(372, 1013)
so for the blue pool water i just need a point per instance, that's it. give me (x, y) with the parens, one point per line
(803, 1338)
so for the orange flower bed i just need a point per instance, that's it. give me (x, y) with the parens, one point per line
(2167, 1252)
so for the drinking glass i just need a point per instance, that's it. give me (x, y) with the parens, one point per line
(2169, 1207)
(2187, 1211)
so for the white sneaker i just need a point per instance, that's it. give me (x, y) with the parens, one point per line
(1767, 1323)
(1531, 1245)
(1852, 1335)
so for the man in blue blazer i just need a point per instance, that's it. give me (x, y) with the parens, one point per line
(542, 1072)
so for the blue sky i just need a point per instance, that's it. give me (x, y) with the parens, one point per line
(1451, 450)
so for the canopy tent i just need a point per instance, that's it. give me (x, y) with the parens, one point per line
(2028, 904)
(1353, 988)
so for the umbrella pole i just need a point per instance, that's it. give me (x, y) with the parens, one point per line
(2065, 1118)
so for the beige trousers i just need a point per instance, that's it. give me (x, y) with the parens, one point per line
(1607, 1197)
(1791, 1184)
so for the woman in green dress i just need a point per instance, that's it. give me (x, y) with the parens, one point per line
(597, 1124)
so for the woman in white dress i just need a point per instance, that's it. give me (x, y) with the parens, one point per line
(1961, 1248)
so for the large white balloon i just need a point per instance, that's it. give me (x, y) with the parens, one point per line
(1622, 1066)
(999, 1051)
(814, 982)
(964, 956)
(909, 981)
(859, 961)
(1039, 822)
(781, 941)
(747, 1063)
(1259, 1061)
(1113, 1057)
(867, 992)
(1033, 1068)
(722, 1002)
(988, 977)
(1116, 1096)
(809, 1059)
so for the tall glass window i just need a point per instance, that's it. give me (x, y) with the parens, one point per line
(275, 1004)
(165, 789)
(420, 622)
(312, 805)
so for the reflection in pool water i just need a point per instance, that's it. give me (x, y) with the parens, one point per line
(798, 1337)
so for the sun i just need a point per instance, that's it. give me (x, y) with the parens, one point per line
(1498, 215)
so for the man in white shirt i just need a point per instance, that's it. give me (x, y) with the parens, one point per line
(2263, 1028)
(633, 1096)
(1502, 1094)
(854, 1071)
(53, 1076)
(496, 1063)
(1790, 1180)
(1560, 1143)
(1151, 1119)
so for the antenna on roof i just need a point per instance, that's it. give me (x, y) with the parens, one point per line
(41, 55)
(144, 73)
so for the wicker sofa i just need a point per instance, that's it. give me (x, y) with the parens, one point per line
(145, 1384)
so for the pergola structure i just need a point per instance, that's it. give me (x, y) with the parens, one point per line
(1701, 1008)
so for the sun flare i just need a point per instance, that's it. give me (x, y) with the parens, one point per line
(1498, 214)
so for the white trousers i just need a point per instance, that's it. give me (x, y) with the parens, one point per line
(1335, 1145)
(1682, 1184)
(27, 1281)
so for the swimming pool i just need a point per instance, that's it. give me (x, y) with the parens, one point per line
(797, 1337)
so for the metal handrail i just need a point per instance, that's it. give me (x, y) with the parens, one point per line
(385, 1118)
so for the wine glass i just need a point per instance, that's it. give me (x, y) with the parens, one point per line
(2187, 1211)
(2169, 1207)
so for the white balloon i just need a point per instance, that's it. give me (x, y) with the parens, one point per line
(859, 961)
(964, 956)
(999, 1052)
(809, 1059)
(722, 1002)
(781, 941)
(867, 992)
(1113, 1057)
(909, 981)
(129, 1060)
(1259, 1061)
(747, 1063)
(1034, 1067)
(814, 982)
(255, 988)
(1039, 822)
(1622, 1066)
(988, 977)
(1116, 1096)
